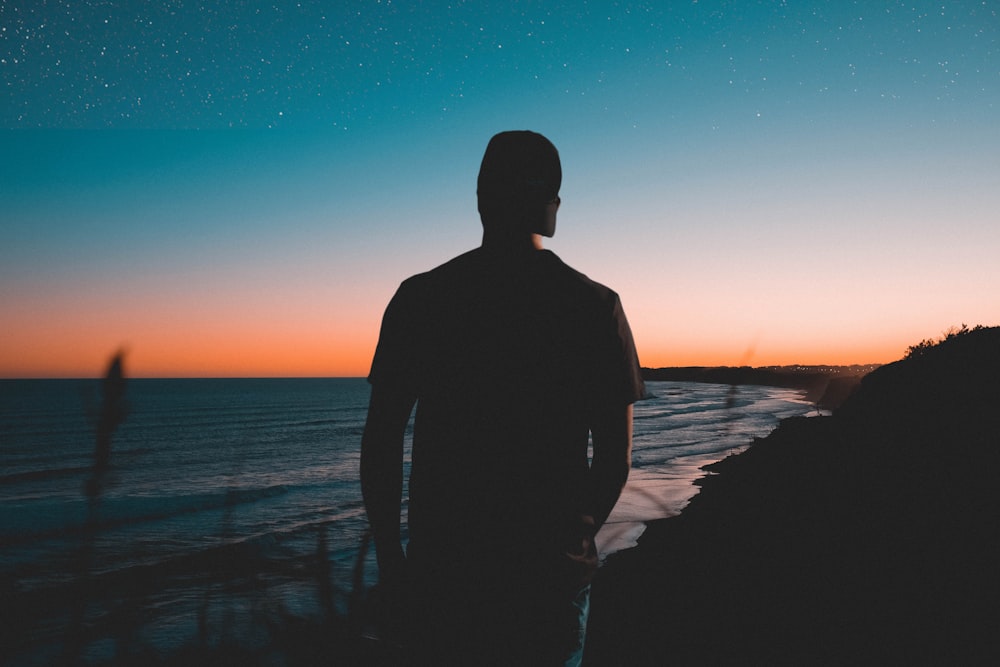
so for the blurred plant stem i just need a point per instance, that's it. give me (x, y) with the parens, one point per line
(112, 414)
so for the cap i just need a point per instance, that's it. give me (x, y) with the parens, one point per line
(519, 167)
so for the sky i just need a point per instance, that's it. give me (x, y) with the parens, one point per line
(237, 189)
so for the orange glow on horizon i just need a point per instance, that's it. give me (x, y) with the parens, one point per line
(74, 339)
(267, 356)
(696, 358)
(234, 361)
(29, 354)
(185, 333)
(691, 352)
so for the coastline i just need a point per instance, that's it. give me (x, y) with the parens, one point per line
(826, 387)
(670, 456)
(867, 537)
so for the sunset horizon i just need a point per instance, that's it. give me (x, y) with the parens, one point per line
(229, 193)
(231, 362)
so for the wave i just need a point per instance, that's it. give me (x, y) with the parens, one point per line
(67, 519)
(42, 475)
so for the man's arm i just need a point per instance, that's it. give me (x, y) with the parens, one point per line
(382, 476)
(612, 434)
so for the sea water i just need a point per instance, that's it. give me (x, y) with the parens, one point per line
(260, 477)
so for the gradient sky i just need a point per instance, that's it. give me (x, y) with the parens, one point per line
(239, 191)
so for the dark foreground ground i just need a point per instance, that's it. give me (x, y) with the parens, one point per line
(868, 537)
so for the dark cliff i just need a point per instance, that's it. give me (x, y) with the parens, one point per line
(868, 537)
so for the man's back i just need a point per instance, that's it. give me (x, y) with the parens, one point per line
(513, 359)
(508, 356)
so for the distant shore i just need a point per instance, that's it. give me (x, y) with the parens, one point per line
(825, 386)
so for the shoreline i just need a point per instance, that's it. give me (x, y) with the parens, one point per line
(865, 537)
(825, 387)
(661, 492)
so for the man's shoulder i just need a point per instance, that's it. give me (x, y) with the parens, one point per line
(462, 264)
(546, 271)
(574, 279)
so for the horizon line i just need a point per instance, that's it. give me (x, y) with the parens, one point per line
(365, 377)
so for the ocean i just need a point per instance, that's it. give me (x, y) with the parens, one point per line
(224, 495)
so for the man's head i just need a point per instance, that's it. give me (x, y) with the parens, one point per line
(519, 183)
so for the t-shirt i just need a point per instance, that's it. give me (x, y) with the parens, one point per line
(508, 357)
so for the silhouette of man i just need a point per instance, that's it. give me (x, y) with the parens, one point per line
(514, 360)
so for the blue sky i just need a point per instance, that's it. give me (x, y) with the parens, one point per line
(815, 181)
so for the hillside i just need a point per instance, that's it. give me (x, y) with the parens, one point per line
(868, 537)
